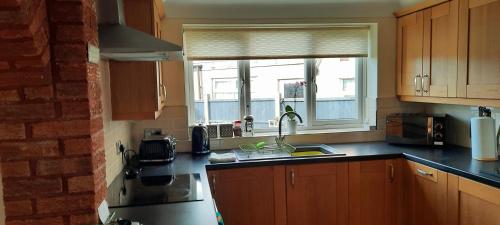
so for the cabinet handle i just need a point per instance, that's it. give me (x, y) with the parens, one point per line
(214, 182)
(425, 85)
(424, 173)
(164, 89)
(391, 172)
(417, 82)
(292, 175)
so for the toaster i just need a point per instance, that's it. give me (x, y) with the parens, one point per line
(157, 148)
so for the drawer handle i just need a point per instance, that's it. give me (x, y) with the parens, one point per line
(424, 173)
(391, 172)
(292, 174)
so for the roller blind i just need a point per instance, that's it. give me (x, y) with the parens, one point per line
(226, 43)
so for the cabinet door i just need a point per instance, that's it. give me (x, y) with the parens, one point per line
(250, 196)
(426, 195)
(479, 51)
(409, 54)
(317, 194)
(374, 193)
(440, 50)
(472, 203)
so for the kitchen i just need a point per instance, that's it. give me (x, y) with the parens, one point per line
(72, 115)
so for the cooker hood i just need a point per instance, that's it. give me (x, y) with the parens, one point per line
(122, 43)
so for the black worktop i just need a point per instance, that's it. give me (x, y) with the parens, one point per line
(452, 159)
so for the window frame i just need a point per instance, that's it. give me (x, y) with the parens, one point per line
(310, 123)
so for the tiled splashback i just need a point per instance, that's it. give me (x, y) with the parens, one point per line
(459, 121)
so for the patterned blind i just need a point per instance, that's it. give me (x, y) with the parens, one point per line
(273, 42)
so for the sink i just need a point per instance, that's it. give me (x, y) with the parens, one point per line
(301, 151)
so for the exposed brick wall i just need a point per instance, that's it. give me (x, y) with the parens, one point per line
(51, 139)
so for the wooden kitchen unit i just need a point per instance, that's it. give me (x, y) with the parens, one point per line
(472, 203)
(375, 192)
(454, 60)
(137, 88)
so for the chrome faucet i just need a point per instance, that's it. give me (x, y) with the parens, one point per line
(280, 140)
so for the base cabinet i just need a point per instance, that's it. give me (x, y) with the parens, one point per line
(425, 197)
(249, 196)
(472, 203)
(374, 193)
(317, 194)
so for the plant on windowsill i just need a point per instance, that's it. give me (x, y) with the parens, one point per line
(292, 123)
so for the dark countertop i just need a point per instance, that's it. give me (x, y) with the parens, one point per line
(452, 159)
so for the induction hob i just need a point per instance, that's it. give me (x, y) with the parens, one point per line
(157, 189)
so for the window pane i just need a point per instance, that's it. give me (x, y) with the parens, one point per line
(336, 96)
(215, 85)
(275, 84)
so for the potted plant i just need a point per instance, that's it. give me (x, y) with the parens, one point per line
(292, 123)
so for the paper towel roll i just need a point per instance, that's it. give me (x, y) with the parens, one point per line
(483, 138)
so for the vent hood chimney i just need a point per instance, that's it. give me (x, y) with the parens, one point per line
(122, 43)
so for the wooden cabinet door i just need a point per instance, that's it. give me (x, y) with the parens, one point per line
(317, 194)
(426, 195)
(472, 203)
(249, 196)
(409, 54)
(374, 193)
(479, 51)
(440, 50)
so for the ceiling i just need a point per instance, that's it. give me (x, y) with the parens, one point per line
(253, 9)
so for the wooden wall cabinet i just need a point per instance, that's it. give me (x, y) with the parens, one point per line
(425, 197)
(137, 88)
(472, 203)
(427, 51)
(375, 193)
(479, 51)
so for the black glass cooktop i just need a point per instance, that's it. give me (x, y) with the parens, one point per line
(156, 189)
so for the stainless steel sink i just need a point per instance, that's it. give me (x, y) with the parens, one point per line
(302, 151)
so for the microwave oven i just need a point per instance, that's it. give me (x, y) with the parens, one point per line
(416, 129)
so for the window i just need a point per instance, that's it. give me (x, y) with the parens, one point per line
(327, 95)
(317, 70)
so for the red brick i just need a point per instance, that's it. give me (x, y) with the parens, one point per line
(72, 71)
(9, 96)
(81, 184)
(42, 221)
(58, 129)
(4, 66)
(96, 125)
(44, 93)
(97, 141)
(71, 53)
(98, 158)
(12, 131)
(10, 3)
(72, 12)
(15, 33)
(70, 33)
(80, 146)
(18, 208)
(85, 219)
(66, 204)
(64, 166)
(28, 150)
(75, 110)
(29, 187)
(27, 111)
(36, 62)
(72, 90)
(23, 79)
(16, 169)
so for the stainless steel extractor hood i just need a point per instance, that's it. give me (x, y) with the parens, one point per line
(122, 43)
